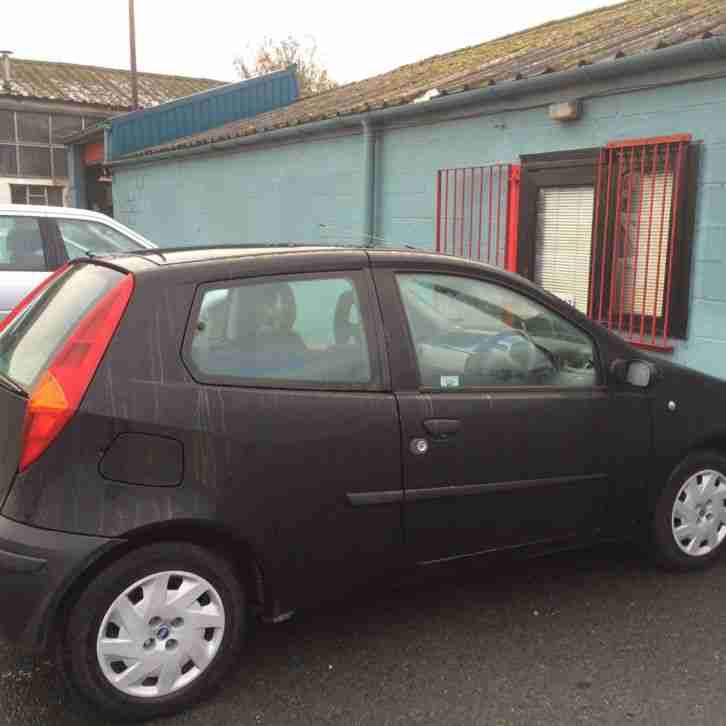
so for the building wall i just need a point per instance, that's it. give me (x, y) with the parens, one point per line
(286, 192)
(280, 193)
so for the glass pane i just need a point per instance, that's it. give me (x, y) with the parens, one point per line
(30, 341)
(469, 333)
(21, 246)
(302, 330)
(8, 161)
(33, 127)
(34, 161)
(36, 195)
(55, 196)
(645, 219)
(563, 242)
(64, 126)
(60, 163)
(80, 238)
(7, 126)
(18, 194)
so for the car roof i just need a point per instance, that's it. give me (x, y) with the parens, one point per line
(40, 210)
(166, 256)
(71, 213)
(225, 256)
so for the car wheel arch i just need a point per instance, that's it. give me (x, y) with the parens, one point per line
(245, 560)
(714, 442)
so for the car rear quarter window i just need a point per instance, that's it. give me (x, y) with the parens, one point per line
(280, 331)
(21, 244)
(29, 342)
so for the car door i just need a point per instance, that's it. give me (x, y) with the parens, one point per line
(311, 428)
(507, 424)
(26, 258)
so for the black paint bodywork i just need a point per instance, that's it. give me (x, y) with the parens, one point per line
(321, 486)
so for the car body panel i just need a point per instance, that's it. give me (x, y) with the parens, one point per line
(14, 286)
(322, 485)
(276, 467)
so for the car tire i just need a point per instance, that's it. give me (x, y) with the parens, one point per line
(689, 519)
(140, 616)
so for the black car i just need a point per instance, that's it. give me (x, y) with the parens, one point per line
(190, 437)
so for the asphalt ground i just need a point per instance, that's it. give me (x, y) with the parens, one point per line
(594, 637)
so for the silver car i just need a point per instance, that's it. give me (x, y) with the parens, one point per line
(35, 240)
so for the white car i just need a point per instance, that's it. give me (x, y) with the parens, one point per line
(35, 240)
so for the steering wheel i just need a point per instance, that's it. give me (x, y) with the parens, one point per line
(346, 329)
(502, 344)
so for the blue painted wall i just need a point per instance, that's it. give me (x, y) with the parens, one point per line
(202, 111)
(285, 192)
(282, 193)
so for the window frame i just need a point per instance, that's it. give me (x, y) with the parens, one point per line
(51, 144)
(578, 167)
(38, 185)
(391, 290)
(370, 319)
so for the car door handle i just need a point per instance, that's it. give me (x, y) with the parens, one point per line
(442, 428)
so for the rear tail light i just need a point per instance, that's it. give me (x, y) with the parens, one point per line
(30, 297)
(59, 391)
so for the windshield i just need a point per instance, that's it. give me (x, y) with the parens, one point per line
(94, 238)
(29, 342)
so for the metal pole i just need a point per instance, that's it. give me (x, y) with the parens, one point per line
(132, 47)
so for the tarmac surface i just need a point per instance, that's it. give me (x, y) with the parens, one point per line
(595, 637)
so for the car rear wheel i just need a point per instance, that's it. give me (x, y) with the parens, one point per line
(154, 632)
(689, 526)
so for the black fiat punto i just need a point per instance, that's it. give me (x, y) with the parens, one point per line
(190, 437)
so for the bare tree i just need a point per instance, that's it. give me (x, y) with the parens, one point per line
(274, 55)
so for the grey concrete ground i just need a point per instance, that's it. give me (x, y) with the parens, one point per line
(591, 638)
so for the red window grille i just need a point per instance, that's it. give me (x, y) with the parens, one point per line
(477, 211)
(635, 244)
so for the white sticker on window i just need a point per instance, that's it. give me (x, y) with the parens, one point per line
(450, 382)
(568, 297)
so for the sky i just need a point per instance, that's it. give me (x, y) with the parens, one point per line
(202, 37)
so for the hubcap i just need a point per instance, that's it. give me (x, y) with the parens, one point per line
(698, 520)
(160, 634)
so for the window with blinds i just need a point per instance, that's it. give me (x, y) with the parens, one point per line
(609, 230)
(641, 274)
(563, 242)
(642, 224)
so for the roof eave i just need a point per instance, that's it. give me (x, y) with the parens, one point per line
(694, 51)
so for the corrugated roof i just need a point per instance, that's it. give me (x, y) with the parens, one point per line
(93, 85)
(631, 27)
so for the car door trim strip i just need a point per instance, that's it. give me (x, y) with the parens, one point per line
(362, 499)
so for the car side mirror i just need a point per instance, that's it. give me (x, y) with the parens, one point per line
(637, 373)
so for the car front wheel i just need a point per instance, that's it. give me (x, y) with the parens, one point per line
(154, 632)
(689, 526)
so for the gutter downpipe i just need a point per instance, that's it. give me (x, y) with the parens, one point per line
(369, 182)
(694, 51)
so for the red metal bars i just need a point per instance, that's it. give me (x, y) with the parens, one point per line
(635, 240)
(479, 219)
(515, 177)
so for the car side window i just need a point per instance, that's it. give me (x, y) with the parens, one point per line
(21, 244)
(469, 333)
(81, 237)
(281, 330)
